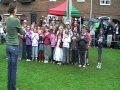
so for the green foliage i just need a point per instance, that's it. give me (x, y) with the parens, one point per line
(40, 76)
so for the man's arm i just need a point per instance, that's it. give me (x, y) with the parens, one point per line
(19, 27)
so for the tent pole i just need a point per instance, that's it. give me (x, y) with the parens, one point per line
(91, 8)
(67, 10)
(69, 7)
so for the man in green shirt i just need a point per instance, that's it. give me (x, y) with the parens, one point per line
(12, 42)
(13, 28)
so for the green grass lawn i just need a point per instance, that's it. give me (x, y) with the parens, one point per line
(40, 76)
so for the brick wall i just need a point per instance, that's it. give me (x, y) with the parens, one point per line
(41, 7)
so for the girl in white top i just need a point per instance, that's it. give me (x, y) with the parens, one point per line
(66, 45)
(35, 38)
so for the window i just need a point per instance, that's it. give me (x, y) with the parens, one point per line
(105, 2)
(80, 0)
(53, 0)
(6, 1)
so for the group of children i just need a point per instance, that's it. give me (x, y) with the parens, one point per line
(61, 44)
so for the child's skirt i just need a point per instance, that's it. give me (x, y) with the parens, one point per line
(41, 47)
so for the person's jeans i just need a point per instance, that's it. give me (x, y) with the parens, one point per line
(34, 52)
(93, 40)
(100, 50)
(12, 55)
(24, 56)
(20, 51)
(116, 37)
(75, 56)
(0, 38)
(86, 56)
(65, 55)
(29, 51)
(47, 52)
(82, 57)
(52, 53)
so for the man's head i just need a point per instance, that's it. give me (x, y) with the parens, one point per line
(12, 9)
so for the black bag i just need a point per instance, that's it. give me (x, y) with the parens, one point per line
(61, 44)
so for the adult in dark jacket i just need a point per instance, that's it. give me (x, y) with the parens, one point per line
(100, 40)
(74, 47)
(109, 35)
(116, 31)
(82, 47)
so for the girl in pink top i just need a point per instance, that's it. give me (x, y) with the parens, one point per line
(53, 40)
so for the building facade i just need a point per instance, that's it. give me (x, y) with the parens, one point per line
(38, 8)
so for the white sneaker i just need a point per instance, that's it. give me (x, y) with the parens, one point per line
(28, 60)
(79, 65)
(97, 66)
(100, 67)
(87, 64)
(59, 63)
(45, 61)
(84, 66)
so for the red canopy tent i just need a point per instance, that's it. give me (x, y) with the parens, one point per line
(61, 9)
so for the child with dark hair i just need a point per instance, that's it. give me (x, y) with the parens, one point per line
(100, 40)
(28, 35)
(74, 47)
(41, 44)
(82, 46)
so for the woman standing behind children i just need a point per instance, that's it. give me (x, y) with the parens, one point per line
(35, 38)
(82, 43)
(28, 40)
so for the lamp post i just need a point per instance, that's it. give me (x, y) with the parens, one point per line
(91, 8)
